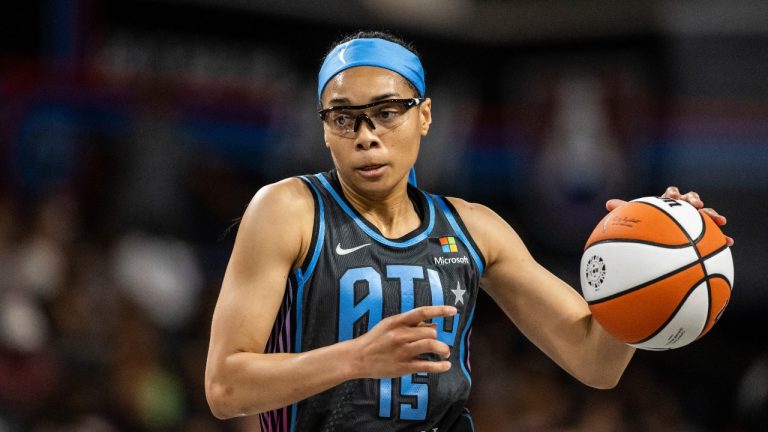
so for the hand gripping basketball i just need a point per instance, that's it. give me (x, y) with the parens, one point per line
(691, 197)
(657, 273)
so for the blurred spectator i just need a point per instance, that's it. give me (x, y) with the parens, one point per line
(752, 399)
(161, 276)
(28, 370)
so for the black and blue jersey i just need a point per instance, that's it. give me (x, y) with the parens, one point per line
(352, 278)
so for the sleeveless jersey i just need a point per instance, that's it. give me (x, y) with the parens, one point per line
(352, 278)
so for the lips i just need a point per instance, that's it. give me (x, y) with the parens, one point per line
(371, 170)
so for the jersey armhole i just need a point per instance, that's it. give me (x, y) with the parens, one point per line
(304, 271)
(452, 210)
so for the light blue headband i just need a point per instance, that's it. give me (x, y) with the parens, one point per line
(372, 52)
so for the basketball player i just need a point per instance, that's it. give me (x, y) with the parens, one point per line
(349, 297)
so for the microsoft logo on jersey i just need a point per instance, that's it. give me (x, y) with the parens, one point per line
(448, 244)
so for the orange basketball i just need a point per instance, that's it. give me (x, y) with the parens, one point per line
(657, 273)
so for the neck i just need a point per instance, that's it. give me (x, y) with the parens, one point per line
(391, 212)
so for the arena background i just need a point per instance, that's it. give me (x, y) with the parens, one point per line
(133, 134)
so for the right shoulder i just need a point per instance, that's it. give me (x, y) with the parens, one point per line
(282, 212)
(289, 196)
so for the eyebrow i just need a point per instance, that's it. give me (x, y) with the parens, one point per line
(345, 101)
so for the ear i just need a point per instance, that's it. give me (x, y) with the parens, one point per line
(425, 116)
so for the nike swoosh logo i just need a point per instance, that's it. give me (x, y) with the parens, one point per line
(342, 251)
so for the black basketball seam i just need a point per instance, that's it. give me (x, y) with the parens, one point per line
(685, 232)
(709, 303)
(677, 309)
(698, 254)
(704, 268)
(707, 277)
(628, 240)
(715, 252)
(721, 276)
(730, 289)
(693, 243)
(703, 229)
(645, 284)
(680, 304)
(715, 276)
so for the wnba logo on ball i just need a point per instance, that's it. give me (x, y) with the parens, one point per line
(595, 271)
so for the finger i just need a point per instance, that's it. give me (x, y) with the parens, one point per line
(428, 366)
(412, 334)
(671, 192)
(611, 204)
(729, 241)
(428, 346)
(693, 199)
(716, 217)
(415, 316)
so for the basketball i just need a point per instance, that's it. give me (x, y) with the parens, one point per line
(657, 273)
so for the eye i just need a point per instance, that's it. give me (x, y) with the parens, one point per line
(388, 113)
(341, 119)
(384, 115)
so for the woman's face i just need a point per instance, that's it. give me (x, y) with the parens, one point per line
(374, 161)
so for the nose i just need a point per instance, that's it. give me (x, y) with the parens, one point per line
(360, 118)
(364, 136)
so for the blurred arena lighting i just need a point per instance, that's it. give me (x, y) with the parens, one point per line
(499, 21)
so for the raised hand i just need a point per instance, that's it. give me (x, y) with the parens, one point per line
(691, 197)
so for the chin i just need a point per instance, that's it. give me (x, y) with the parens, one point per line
(375, 184)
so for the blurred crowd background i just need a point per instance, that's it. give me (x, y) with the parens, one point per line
(133, 134)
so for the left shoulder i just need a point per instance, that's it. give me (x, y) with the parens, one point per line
(487, 228)
(462, 205)
(475, 216)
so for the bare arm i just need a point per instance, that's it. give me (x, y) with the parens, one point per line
(240, 378)
(545, 309)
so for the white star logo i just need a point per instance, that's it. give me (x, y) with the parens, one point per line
(458, 294)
